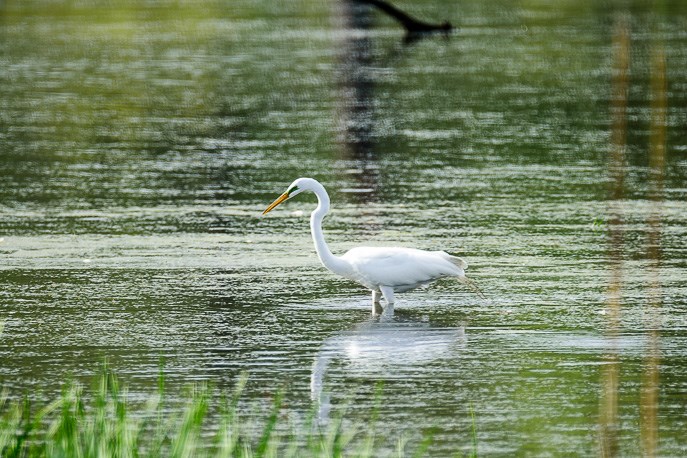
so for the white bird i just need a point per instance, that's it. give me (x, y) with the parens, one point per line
(384, 271)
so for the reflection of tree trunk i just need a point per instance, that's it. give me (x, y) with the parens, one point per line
(608, 415)
(356, 81)
(411, 24)
(650, 380)
(356, 114)
(356, 84)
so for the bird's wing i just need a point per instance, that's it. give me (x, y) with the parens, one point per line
(402, 266)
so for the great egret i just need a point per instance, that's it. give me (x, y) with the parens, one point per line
(384, 271)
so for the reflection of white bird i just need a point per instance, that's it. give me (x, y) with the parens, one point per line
(382, 270)
(378, 349)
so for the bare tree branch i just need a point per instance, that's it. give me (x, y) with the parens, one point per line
(411, 24)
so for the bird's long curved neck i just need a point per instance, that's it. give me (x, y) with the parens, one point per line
(331, 262)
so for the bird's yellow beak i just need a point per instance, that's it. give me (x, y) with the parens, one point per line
(279, 200)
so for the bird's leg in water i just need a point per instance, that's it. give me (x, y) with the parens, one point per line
(387, 312)
(376, 307)
(388, 294)
(376, 296)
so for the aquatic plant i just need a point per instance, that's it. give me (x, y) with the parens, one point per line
(107, 423)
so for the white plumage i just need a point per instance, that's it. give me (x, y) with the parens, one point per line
(382, 270)
(401, 268)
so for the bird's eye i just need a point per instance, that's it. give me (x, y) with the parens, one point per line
(292, 190)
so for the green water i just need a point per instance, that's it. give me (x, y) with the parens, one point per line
(544, 142)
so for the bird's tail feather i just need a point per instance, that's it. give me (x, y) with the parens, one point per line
(458, 261)
(472, 285)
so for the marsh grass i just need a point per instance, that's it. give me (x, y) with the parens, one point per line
(107, 423)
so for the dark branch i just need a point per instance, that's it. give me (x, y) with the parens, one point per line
(411, 25)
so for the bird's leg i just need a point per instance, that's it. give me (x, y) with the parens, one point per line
(376, 296)
(387, 313)
(376, 307)
(388, 293)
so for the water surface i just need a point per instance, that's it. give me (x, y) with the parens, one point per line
(542, 142)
